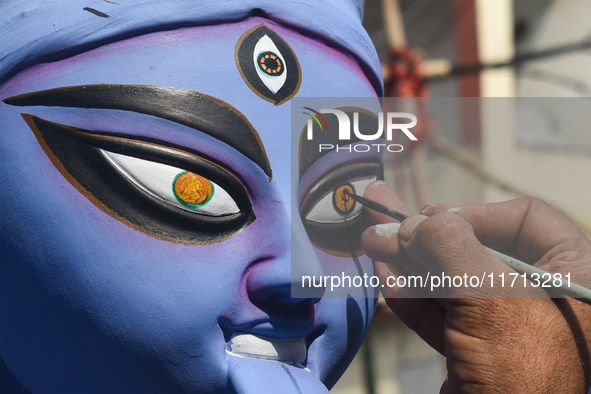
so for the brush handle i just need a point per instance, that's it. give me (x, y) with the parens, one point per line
(376, 206)
(570, 289)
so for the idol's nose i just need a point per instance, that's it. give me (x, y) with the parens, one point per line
(276, 282)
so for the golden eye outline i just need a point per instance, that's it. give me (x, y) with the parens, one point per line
(81, 156)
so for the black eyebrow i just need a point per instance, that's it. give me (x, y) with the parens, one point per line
(193, 109)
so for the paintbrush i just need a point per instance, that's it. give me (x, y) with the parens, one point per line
(376, 206)
(566, 287)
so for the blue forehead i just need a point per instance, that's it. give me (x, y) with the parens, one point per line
(77, 28)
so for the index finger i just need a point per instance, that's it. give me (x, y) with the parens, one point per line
(528, 226)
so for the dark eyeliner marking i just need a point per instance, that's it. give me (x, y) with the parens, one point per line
(337, 178)
(96, 12)
(76, 153)
(198, 111)
(338, 239)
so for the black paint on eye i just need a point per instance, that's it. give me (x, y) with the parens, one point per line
(338, 239)
(342, 203)
(77, 155)
(267, 65)
(270, 64)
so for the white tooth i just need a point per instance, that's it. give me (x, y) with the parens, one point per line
(286, 350)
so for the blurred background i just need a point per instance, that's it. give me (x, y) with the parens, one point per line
(483, 149)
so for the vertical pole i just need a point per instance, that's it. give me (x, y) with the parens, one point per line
(368, 367)
(397, 41)
(466, 38)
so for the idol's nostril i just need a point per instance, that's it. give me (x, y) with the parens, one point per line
(282, 279)
(308, 301)
(307, 295)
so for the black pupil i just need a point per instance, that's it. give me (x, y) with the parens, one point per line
(270, 63)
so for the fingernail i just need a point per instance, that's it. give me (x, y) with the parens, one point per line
(377, 184)
(387, 230)
(424, 208)
(408, 227)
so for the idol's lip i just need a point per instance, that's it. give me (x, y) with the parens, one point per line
(274, 340)
(275, 329)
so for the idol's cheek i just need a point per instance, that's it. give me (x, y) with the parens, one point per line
(347, 321)
(139, 297)
(165, 300)
(347, 314)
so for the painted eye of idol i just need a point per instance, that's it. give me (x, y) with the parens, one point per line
(162, 191)
(175, 186)
(268, 65)
(335, 222)
(336, 206)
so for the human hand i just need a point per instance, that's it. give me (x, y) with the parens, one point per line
(492, 345)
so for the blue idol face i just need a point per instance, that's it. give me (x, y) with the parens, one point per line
(145, 217)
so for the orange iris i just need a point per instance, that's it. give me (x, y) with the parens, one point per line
(343, 204)
(192, 189)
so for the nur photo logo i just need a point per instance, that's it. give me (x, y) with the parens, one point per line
(384, 126)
